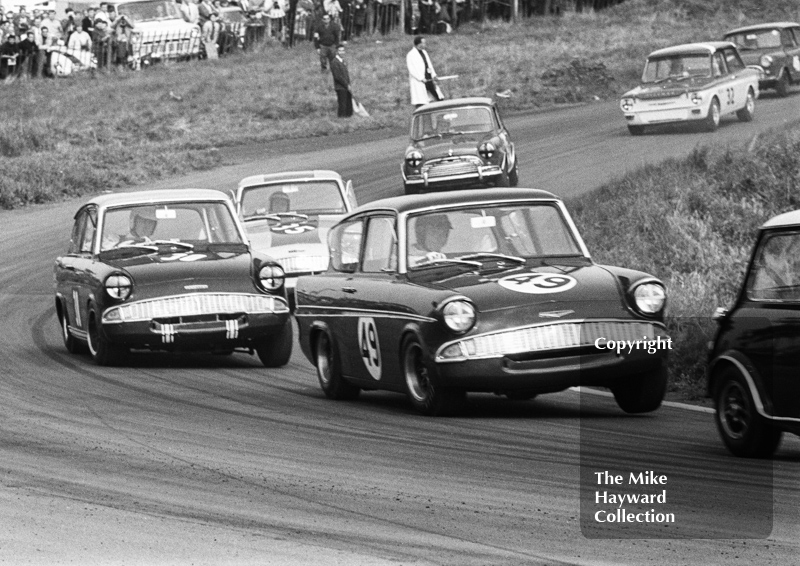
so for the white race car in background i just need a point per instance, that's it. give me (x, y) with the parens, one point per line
(695, 82)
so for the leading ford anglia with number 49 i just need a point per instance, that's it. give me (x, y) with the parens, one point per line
(697, 83)
(478, 290)
(168, 270)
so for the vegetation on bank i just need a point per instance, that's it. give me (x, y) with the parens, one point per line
(693, 223)
(81, 134)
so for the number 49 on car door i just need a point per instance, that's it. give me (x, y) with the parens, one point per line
(369, 346)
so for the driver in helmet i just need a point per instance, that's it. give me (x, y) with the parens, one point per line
(432, 232)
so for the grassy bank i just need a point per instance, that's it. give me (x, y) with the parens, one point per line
(80, 135)
(693, 223)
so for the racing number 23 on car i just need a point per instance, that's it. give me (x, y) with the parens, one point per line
(368, 346)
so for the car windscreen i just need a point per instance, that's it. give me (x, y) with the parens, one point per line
(152, 10)
(677, 67)
(761, 39)
(469, 120)
(775, 274)
(309, 197)
(525, 230)
(187, 222)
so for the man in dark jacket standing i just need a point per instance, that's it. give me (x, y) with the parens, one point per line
(341, 84)
(327, 35)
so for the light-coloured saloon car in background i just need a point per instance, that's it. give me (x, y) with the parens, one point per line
(288, 215)
(697, 83)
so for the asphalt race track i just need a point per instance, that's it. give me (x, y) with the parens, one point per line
(214, 460)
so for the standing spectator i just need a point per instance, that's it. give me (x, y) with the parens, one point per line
(6, 29)
(53, 26)
(333, 9)
(87, 23)
(69, 18)
(9, 52)
(211, 35)
(189, 11)
(79, 40)
(327, 35)
(122, 32)
(421, 74)
(22, 21)
(102, 13)
(427, 16)
(206, 9)
(341, 84)
(359, 17)
(101, 43)
(28, 52)
(275, 17)
(43, 57)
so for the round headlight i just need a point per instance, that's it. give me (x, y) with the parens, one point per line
(696, 98)
(118, 286)
(766, 61)
(271, 277)
(459, 316)
(650, 298)
(486, 150)
(626, 104)
(414, 158)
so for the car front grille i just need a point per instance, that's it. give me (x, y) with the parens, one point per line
(303, 264)
(547, 337)
(673, 93)
(194, 305)
(450, 167)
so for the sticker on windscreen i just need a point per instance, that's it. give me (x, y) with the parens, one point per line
(538, 283)
(368, 346)
(294, 227)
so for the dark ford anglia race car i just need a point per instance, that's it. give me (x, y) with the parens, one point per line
(754, 369)
(698, 83)
(457, 143)
(168, 270)
(775, 47)
(479, 290)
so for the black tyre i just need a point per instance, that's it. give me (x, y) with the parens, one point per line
(425, 397)
(711, 121)
(329, 372)
(782, 86)
(275, 351)
(513, 176)
(102, 350)
(641, 393)
(636, 130)
(504, 180)
(72, 344)
(743, 430)
(411, 189)
(746, 113)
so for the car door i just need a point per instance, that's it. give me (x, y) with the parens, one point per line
(740, 82)
(381, 314)
(74, 270)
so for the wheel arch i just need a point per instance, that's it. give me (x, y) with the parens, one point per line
(755, 383)
(319, 327)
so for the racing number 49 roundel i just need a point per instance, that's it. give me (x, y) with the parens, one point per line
(368, 346)
(538, 283)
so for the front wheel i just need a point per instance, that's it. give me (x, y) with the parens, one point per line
(782, 86)
(743, 430)
(746, 113)
(102, 350)
(711, 122)
(641, 393)
(275, 351)
(329, 371)
(72, 344)
(425, 397)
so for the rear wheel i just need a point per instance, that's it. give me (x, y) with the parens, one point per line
(329, 372)
(641, 393)
(636, 130)
(743, 430)
(746, 113)
(782, 86)
(425, 397)
(275, 351)
(711, 122)
(72, 344)
(102, 350)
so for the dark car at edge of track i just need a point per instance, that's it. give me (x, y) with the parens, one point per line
(754, 359)
(168, 270)
(510, 303)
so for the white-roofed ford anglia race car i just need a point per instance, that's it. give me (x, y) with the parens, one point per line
(697, 83)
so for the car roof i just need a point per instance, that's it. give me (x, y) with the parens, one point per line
(784, 220)
(309, 175)
(456, 103)
(768, 25)
(705, 47)
(410, 203)
(156, 196)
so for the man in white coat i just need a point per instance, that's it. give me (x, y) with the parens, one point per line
(421, 75)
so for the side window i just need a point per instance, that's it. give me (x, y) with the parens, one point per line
(796, 33)
(775, 275)
(733, 60)
(786, 39)
(76, 240)
(380, 250)
(718, 65)
(344, 242)
(88, 233)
